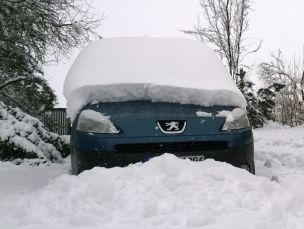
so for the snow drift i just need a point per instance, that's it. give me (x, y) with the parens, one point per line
(280, 146)
(166, 192)
(154, 69)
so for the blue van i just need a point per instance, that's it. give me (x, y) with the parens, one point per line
(148, 129)
(129, 129)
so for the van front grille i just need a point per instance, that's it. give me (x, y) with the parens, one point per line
(171, 147)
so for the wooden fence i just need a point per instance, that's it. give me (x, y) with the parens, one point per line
(57, 122)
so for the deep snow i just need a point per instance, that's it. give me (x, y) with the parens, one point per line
(155, 69)
(165, 192)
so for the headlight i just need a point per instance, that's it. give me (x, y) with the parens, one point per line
(235, 119)
(95, 122)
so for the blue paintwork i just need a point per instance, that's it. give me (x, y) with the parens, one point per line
(137, 121)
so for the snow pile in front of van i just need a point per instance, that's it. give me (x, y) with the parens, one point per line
(152, 69)
(166, 192)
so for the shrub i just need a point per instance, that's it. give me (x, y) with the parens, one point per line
(23, 136)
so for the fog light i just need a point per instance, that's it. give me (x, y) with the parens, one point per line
(246, 167)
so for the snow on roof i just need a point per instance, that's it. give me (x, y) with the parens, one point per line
(156, 69)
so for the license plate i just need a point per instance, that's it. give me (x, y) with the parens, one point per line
(194, 158)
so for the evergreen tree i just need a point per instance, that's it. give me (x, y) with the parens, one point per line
(246, 87)
(260, 105)
(33, 96)
(31, 31)
(26, 138)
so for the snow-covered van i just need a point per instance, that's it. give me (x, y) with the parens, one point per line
(131, 99)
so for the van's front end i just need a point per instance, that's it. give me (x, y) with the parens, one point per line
(119, 133)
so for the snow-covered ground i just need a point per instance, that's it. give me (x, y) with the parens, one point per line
(165, 192)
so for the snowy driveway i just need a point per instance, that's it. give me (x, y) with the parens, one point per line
(166, 192)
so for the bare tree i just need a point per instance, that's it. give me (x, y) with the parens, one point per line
(289, 102)
(226, 23)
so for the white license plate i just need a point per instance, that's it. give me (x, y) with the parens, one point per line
(194, 158)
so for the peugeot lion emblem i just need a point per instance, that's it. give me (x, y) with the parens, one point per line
(172, 126)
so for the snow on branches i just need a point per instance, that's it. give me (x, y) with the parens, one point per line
(23, 136)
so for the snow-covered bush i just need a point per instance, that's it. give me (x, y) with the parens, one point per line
(260, 103)
(23, 136)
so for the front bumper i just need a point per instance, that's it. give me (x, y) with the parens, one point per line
(235, 155)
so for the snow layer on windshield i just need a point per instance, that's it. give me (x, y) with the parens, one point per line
(153, 69)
